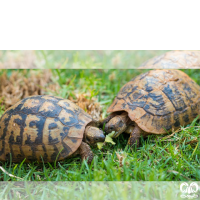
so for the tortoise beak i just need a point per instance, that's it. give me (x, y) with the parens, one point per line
(101, 137)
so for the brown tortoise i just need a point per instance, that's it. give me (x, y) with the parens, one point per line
(174, 60)
(155, 102)
(46, 128)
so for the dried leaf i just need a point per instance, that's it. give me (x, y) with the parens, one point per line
(121, 156)
(192, 141)
(17, 86)
(89, 105)
(3, 170)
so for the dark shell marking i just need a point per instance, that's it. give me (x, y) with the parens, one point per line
(41, 128)
(159, 100)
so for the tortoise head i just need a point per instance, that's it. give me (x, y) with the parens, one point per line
(94, 135)
(116, 124)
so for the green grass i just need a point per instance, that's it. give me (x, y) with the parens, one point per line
(155, 160)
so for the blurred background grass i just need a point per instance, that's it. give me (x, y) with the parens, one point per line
(91, 190)
(76, 59)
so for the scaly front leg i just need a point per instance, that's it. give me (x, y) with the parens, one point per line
(86, 152)
(134, 137)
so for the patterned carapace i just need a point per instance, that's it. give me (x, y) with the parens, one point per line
(159, 100)
(174, 60)
(41, 126)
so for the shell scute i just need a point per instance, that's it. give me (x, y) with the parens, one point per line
(175, 96)
(31, 106)
(33, 131)
(49, 109)
(158, 104)
(55, 132)
(68, 117)
(68, 105)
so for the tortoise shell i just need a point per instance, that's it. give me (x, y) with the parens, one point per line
(174, 60)
(159, 100)
(41, 126)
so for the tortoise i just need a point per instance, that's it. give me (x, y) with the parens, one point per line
(46, 128)
(174, 60)
(155, 102)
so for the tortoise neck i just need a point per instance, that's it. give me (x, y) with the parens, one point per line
(85, 134)
(124, 123)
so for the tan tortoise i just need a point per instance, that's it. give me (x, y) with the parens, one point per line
(155, 102)
(174, 60)
(47, 128)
